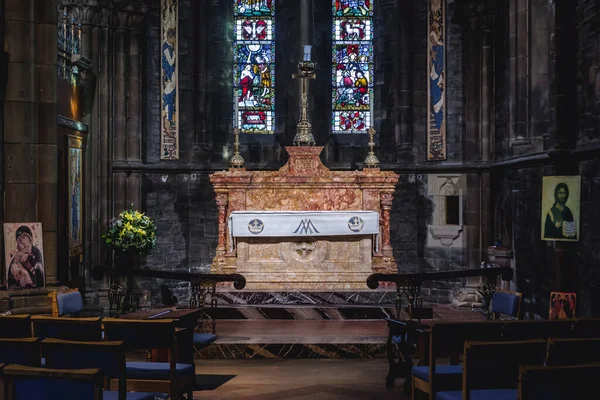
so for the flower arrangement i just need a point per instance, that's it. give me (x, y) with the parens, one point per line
(131, 231)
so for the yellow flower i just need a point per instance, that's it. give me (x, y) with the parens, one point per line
(138, 214)
(128, 226)
(128, 217)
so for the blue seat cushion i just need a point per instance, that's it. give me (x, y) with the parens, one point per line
(114, 395)
(70, 302)
(155, 370)
(505, 303)
(422, 372)
(399, 338)
(203, 338)
(488, 394)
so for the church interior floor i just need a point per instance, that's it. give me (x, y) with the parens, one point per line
(297, 379)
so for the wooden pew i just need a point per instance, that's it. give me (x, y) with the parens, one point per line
(573, 351)
(24, 351)
(491, 369)
(447, 339)
(26, 383)
(558, 382)
(15, 326)
(81, 329)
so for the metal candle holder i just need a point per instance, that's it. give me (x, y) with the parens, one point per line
(371, 161)
(304, 136)
(236, 161)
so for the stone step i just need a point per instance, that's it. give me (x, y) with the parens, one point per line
(306, 280)
(301, 312)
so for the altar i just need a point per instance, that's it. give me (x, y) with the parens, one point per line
(304, 227)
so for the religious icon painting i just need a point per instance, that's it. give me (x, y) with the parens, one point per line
(169, 118)
(24, 255)
(75, 184)
(561, 208)
(436, 84)
(562, 305)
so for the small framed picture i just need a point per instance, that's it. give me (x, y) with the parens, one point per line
(562, 305)
(560, 208)
(24, 255)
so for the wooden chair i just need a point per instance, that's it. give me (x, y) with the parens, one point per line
(491, 369)
(80, 329)
(523, 330)
(558, 382)
(447, 339)
(24, 351)
(108, 356)
(506, 303)
(67, 303)
(26, 383)
(15, 326)
(172, 377)
(573, 351)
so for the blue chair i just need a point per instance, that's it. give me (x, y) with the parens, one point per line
(170, 377)
(79, 329)
(447, 339)
(26, 383)
(491, 369)
(67, 303)
(506, 303)
(109, 356)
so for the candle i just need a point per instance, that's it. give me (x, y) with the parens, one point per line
(372, 107)
(307, 52)
(237, 110)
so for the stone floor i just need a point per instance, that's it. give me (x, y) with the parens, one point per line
(298, 379)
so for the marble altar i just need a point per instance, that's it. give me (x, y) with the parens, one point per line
(304, 183)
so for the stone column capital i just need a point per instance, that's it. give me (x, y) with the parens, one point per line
(82, 10)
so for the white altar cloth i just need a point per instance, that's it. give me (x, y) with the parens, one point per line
(302, 223)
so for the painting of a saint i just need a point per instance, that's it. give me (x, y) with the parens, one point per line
(24, 255)
(560, 208)
(436, 129)
(562, 305)
(169, 87)
(75, 165)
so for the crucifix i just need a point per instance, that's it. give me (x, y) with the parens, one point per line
(306, 68)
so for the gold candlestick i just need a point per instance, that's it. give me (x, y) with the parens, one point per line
(304, 136)
(371, 161)
(236, 161)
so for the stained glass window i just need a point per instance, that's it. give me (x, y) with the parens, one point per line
(254, 65)
(352, 76)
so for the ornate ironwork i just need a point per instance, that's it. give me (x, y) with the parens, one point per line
(115, 295)
(488, 291)
(200, 291)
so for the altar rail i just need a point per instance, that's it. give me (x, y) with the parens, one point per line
(409, 285)
(202, 284)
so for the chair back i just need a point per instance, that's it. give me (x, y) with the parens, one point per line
(495, 365)
(587, 328)
(68, 354)
(81, 329)
(26, 383)
(573, 351)
(15, 326)
(506, 303)
(24, 351)
(524, 330)
(558, 382)
(69, 302)
(141, 334)
(448, 338)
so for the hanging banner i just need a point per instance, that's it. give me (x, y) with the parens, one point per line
(436, 82)
(169, 121)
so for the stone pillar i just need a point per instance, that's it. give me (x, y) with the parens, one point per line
(487, 93)
(472, 95)
(119, 114)
(30, 152)
(222, 200)
(386, 205)
(403, 95)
